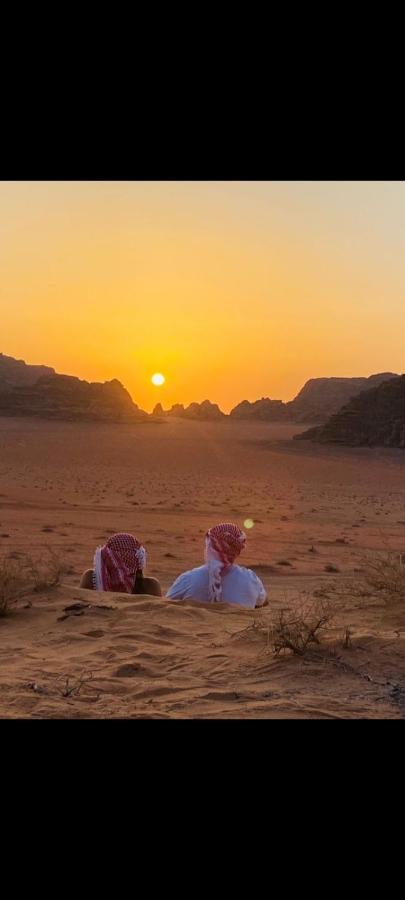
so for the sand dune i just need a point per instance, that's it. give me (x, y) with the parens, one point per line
(68, 486)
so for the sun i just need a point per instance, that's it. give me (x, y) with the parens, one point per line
(158, 379)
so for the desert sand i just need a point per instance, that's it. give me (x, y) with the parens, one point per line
(69, 486)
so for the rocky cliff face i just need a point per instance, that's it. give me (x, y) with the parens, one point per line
(65, 397)
(374, 418)
(322, 397)
(316, 401)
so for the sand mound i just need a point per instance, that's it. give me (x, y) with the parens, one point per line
(74, 653)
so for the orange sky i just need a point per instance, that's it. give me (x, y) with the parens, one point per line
(234, 290)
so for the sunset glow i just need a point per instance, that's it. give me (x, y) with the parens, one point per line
(158, 379)
(236, 290)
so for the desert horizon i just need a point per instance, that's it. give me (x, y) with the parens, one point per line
(16, 373)
(158, 401)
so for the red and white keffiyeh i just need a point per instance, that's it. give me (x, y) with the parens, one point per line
(117, 562)
(223, 543)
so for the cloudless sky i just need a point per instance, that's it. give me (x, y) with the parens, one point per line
(233, 290)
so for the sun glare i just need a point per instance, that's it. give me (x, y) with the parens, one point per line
(158, 379)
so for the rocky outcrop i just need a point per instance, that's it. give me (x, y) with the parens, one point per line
(264, 410)
(316, 401)
(65, 397)
(176, 411)
(374, 418)
(322, 397)
(15, 372)
(205, 411)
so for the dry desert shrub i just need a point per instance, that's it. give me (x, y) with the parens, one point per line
(384, 573)
(11, 583)
(25, 575)
(45, 573)
(298, 629)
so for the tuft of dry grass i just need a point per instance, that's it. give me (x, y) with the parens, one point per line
(347, 638)
(24, 575)
(298, 629)
(384, 573)
(45, 573)
(11, 583)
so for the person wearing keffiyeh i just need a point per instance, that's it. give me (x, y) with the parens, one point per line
(220, 579)
(118, 566)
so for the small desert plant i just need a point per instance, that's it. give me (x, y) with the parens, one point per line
(297, 630)
(11, 583)
(45, 573)
(347, 638)
(385, 573)
(25, 575)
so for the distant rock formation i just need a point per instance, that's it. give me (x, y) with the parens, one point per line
(15, 372)
(65, 397)
(374, 418)
(322, 397)
(265, 410)
(316, 401)
(176, 411)
(205, 411)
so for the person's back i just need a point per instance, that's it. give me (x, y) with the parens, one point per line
(220, 579)
(240, 586)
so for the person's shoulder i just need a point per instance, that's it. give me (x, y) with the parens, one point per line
(199, 570)
(152, 586)
(180, 586)
(258, 585)
(190, 573)
(87, 579)
(249, 574)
